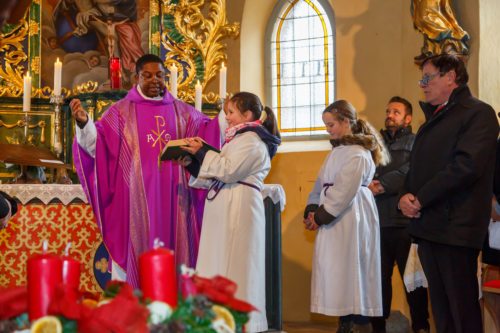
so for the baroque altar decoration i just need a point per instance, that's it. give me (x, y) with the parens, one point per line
(186, 34)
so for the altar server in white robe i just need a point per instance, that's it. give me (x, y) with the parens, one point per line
(232, 242)
(346, 264)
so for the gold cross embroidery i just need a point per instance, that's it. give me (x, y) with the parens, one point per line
(159, 136)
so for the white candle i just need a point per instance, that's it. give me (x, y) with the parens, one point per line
(197, 96)
(222, 81)
(57, 77)
(173, 80)
(27, 93)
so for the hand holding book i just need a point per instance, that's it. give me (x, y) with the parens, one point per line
(176, 150)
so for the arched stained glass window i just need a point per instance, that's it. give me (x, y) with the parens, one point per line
(301, 65)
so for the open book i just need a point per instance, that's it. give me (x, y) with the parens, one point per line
(173, 150)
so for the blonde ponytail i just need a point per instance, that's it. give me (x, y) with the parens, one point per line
(380, 154)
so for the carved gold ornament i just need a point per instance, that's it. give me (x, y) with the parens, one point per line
(14, 55)
(194, 42)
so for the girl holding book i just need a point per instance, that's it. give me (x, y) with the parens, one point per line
(346, 279)
(232, 240)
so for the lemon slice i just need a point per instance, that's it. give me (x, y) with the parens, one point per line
(104, 301)
(224, 314)
(90, 303)
(47, 324)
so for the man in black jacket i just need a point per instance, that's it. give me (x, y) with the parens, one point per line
(448, 191)
(395, 240)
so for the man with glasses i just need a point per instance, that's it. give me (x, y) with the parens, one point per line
(135, 198)
(395, 240)
(448, 191)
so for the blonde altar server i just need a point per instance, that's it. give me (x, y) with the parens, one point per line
(232, 242)
(346, 278)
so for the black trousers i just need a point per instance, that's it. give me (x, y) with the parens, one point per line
(395, 244)
(451, 272)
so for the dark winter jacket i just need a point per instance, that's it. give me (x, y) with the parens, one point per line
(4, 207)
(392, 176)
(451, 171)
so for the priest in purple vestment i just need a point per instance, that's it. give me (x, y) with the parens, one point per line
(135, 198)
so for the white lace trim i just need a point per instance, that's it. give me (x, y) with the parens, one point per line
(44, 192)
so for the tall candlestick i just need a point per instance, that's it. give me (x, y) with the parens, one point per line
(57, 77)
(173, 80)
(27, 92)
(115, 74)
(70, 270)
(197, 95)
(222, 81)
(44, 275)
(157, 275)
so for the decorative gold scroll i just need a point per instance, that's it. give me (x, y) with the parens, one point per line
(22, 123)
(11, 73)
(197, 41)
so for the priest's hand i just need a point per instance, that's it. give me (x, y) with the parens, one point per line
(78, 112)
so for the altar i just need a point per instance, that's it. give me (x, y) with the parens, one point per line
(61, 214)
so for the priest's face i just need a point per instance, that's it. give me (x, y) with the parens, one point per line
(151, 79)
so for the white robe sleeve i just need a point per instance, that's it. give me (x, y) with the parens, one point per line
(345, 185)
(87, 136)
(197, 182)
(231, 168)
(315, 194)
(222, 125)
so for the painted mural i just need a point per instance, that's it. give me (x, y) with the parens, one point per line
(83, 34)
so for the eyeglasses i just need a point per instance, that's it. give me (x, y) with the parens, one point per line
(427, 78)
(147, 76)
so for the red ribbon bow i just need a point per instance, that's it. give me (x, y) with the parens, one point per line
(219, 290)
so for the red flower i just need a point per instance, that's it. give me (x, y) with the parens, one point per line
(220, 290)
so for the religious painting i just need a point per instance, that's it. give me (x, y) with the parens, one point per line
(84, 34)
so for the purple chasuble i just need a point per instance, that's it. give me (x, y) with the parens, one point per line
(134, 198)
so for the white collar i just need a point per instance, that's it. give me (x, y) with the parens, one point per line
(158, 98)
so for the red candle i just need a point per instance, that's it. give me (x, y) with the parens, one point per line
(71, 272)
(115, 72)
(44, 275)
(157, 276)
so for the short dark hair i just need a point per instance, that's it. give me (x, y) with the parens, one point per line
(447, 62)
(146, 59)
(404, 101)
